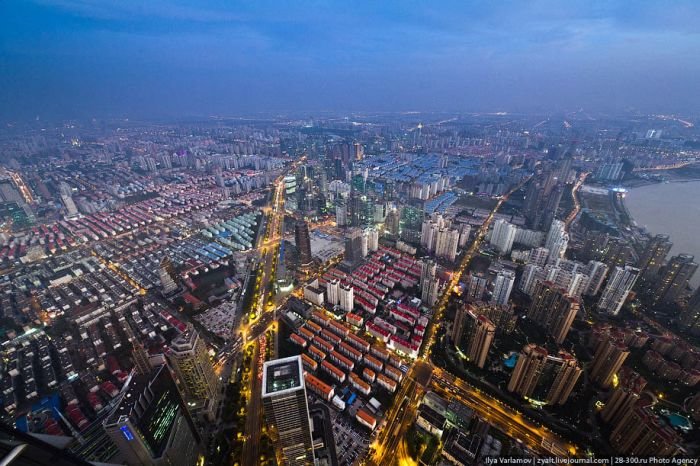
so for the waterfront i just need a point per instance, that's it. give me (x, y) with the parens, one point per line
(672, 209)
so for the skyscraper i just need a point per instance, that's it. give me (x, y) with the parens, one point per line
(674, 279)
(287, 411)
(553, 309)
(544, 377)
(557, 240)
(503, 286)
(353, 247)
(190, 361)
(303, 243)
(617, 289)
(150, 424)
(446, 244)
(654, 255)
(609, 356)
(473, 333)
(428, 282)
(166, 273)
(392, 223)
(624, 396)
(346, 297)
(641, 433)
(502, 236)
(596, 271)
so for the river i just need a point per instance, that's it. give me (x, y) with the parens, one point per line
(672, 209)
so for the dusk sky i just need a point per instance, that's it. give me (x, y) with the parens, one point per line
(82, 58)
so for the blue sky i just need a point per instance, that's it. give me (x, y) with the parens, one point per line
(77, 58)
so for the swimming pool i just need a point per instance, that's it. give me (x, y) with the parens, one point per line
(676, 420)
(511, 360)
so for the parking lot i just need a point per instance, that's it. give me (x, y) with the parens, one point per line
(351, 439)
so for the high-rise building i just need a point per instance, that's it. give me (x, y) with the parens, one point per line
(190, 361)
(596, 271)
(341, 213)
(609, 356)
(502, 236)
(502, 287)
(654, 255)
(641, 433)
(446, 244)
(287, 411)
(150, 424)
(372, 236)
(690, 315)
(540, 376)
(353, 247)
(166, 273)
(346, 297)
(557, 240)
(333, 291)
(674, 279)
(624, 396)
(617, 289)
(428, 282)
(476, 285)
(473, 333)
(553, 309)
(538, 257)
(303, 243)
(392, 223)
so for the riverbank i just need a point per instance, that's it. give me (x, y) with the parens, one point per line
(668, 208)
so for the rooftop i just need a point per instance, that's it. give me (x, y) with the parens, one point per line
(281, 375)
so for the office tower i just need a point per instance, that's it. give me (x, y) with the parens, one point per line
(346, 297)
(166, 273)
(553, 309)
(539, 376)
(333, 291)
(428, 282)
(502, 236)
(353, 247)
(557, 240)
(391, 223)
(473, 333)
(624, 396)
(596, 271)
(190, 361)
(303, 243)
(551, 205)
(641, 433)
(446, 244)
(538, 256)
(674, 279)
(617, 289)
(503, 286)
(150, 424)
(286, 410)
(653, 256)
(609, 356)
(341, 213)
(410, 223)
